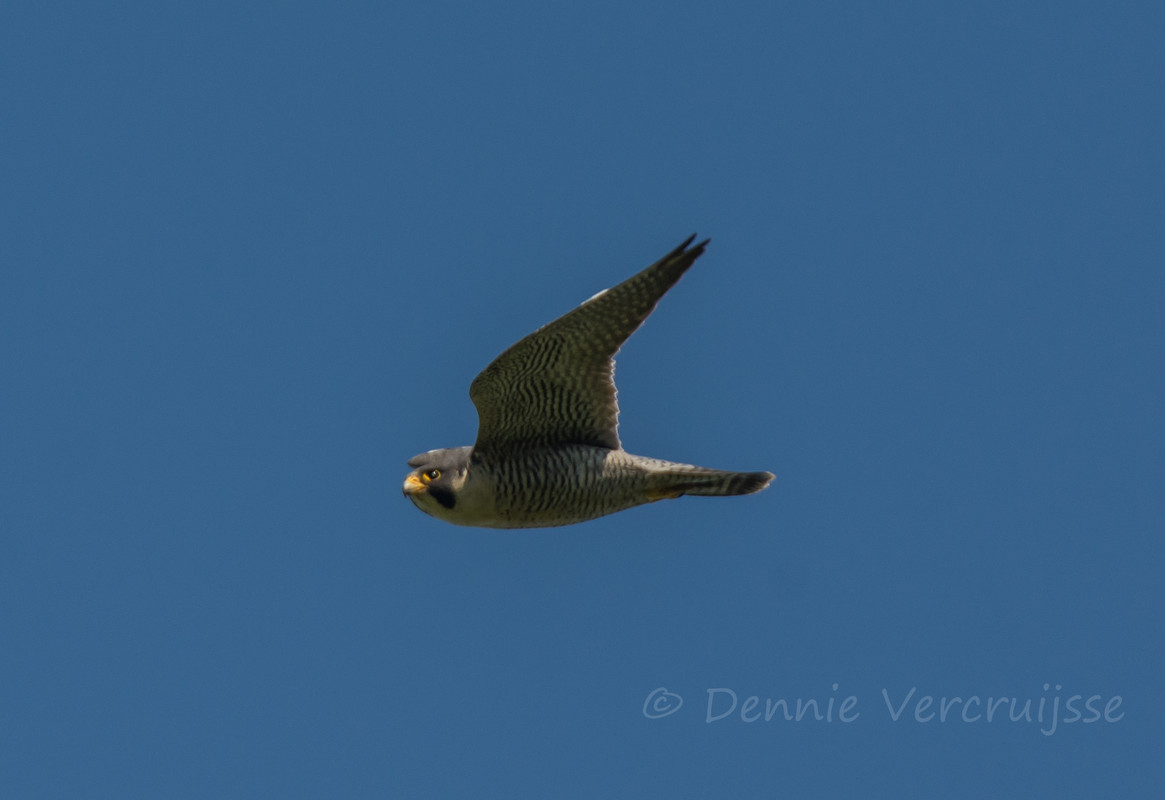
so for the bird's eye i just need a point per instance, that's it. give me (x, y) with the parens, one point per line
(433, 474)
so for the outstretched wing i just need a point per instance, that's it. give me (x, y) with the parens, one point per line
(557, 385)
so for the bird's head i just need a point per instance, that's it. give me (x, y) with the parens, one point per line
(437, 478)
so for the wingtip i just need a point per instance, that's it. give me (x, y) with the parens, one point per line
(695, 252)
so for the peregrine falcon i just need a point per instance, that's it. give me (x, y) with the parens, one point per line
(547, 450)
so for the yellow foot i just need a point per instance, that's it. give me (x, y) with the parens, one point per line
(663, 494)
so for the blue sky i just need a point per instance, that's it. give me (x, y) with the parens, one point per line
(254, 255)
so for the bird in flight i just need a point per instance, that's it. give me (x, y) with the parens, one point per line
(547, 450)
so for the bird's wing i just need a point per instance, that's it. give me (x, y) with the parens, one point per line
(557, 385)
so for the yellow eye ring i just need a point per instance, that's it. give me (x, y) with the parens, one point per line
(432, 475)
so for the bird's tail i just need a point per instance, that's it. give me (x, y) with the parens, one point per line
(681, 479)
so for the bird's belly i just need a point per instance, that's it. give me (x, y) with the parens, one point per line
(560, 487)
